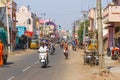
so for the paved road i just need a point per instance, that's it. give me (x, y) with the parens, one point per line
(26, 67)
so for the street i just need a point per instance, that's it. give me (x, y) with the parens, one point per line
(25, 66)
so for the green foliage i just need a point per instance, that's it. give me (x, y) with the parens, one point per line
(80, 30)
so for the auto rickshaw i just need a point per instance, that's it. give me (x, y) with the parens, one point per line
(34, 44)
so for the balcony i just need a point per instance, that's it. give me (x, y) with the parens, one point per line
(111, 14)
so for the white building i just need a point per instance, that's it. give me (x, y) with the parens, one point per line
(24, 18)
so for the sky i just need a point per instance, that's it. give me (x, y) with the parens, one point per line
(63, 12)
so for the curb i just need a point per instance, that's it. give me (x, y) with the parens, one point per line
(21, 51)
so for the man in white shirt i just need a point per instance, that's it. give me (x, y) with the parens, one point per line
(43, 48)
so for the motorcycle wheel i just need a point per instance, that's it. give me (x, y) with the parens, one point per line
(5, 59)
(66, 55)
(43, 65)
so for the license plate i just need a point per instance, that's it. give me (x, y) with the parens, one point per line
(42, 60)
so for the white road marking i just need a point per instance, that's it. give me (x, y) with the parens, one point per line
(11, 78)
(36, 62)
(26, 68)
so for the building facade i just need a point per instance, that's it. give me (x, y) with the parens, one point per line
(93, 26)
(11, 10)
(24, 18)
(111, 17)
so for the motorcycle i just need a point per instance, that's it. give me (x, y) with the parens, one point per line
(91, 58)
(108, 52)
(74, 48)
(115, 55)
(51, 50)
(43, 58)
(61, 46)
(66, 54)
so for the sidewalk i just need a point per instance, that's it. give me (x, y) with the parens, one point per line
(22, 51)
(87, 72)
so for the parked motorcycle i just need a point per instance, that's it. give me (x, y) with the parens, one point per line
(108, 52)
(116, 55)
(91, 58)
(43, 58)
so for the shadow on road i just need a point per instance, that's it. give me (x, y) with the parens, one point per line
(9, 63)
(52, 54)
(48, 66)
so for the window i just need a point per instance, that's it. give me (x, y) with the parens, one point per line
(29, 21)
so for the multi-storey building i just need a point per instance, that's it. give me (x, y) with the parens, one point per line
(11, 10)
(111, 18)
(93, 25)
(29, 20)
(48, 28)
(24, 18)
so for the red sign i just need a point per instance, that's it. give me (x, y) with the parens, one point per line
(29, 33)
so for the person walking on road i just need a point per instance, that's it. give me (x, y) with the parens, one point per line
(1, 53)
(66, 49)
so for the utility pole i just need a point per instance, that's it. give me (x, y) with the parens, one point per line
(44, 23)
(11, 26)
(74, 30)
(8, 31)
(84, 29)
(100, 36)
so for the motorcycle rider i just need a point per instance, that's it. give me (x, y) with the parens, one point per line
(53, 45)
(65, 46)
(1, 53)
(73, 45)
(62, 44)
(44, 48)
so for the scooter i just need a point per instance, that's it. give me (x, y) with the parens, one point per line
(43, 56)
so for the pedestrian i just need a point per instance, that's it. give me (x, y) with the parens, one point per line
(66, 49)
(1, 53)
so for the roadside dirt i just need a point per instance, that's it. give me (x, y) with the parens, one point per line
(87, 72)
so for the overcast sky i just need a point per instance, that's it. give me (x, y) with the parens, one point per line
(64, 12)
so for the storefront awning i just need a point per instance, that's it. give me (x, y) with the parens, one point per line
(28, 33)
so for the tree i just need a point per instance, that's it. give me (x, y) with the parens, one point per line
(80, 30)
